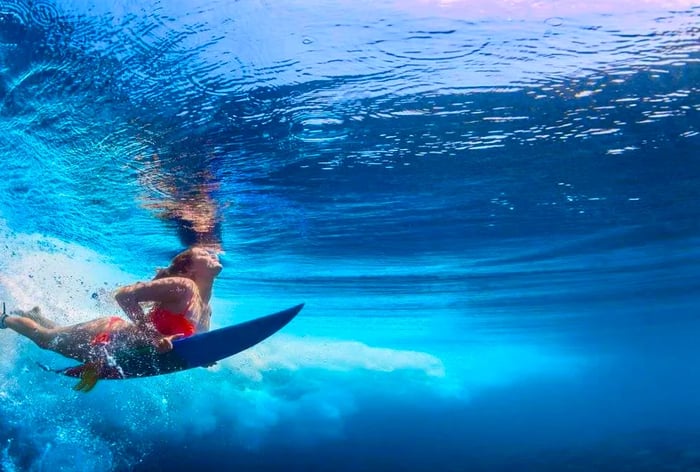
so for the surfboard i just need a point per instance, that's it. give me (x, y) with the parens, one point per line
(195, 351)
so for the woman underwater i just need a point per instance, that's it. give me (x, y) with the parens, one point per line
(180, 295)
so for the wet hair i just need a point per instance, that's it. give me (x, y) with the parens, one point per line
(178, 266)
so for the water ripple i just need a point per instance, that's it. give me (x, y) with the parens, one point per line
(44, 13)
(20, 11)
(315, 124)
(430, 47)
(220, 78)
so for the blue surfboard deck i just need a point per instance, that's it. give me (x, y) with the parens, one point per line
(195, 351)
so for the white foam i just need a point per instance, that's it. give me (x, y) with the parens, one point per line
(310, 384)
(67, 281)
(291, 353)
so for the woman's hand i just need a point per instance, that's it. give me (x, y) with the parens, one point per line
(165, 344)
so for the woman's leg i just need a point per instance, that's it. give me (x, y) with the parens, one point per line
(76, 341)
(29, 328)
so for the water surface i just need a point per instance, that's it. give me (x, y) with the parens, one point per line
(489, 210)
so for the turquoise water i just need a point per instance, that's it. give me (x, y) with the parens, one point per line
(490, 212)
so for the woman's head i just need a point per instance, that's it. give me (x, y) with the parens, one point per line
(192, 263)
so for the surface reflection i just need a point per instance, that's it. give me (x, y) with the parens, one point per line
(185, 204)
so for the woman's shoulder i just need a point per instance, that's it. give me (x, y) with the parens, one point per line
(167, 286)
(180, 284)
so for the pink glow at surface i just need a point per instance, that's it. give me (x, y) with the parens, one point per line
(527, 9)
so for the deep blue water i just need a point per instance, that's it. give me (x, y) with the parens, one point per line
(491, 212)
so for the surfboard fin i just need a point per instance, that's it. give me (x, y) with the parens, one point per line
(88, 375)
(88, 378)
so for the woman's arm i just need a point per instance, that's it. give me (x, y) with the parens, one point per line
(168, 290)
(205, 319)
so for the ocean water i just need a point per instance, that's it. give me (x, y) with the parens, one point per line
(490, 210)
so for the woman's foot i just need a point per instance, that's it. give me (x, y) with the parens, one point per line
(35, 314)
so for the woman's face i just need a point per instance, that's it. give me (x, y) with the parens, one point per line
(205, 261)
